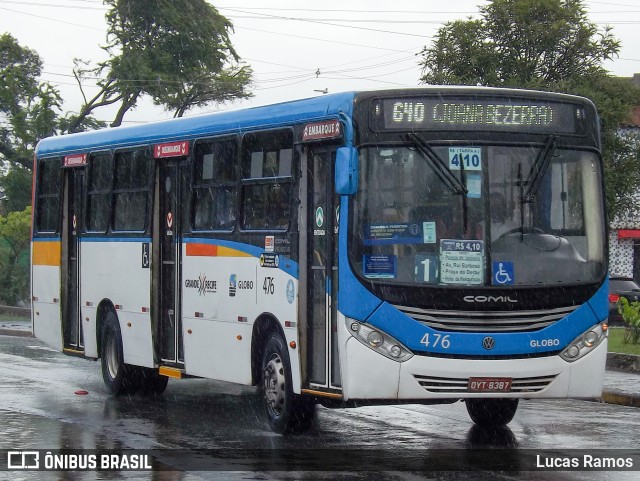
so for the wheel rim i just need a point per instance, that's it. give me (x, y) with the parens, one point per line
(274, 386)
(111, 353)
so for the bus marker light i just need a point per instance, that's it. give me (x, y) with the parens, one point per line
(199, 314)
(239, 337)
(88, 304)
(170, 372)
(289, 324)
(189, 331)
(145, 309)
(81, 392)
(605, 327)
(293, 344)
(128, 324)
(242, 319)
(118, 307)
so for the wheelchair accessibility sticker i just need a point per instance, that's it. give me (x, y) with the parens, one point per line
(502, 273)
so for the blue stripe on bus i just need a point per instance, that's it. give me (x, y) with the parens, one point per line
(286, 264)
(115, 239)
(550, 339)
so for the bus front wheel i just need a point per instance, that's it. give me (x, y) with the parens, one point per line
(491, 412)
(286, 411)
(118, 377)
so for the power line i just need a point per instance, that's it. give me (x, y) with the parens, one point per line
(52, 19)
(336, 25)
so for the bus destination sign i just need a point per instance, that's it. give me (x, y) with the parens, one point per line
(496, 114)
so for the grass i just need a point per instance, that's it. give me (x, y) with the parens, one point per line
(616, 342)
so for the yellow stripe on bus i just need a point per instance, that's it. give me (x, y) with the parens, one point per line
(46, 253)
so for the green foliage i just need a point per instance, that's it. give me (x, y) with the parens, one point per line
(30, 108)
(14, 259)
(178, 52)
(546, 45)
(630, 311)
(15, 190)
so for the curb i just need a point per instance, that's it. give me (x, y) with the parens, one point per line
(623, 362)
(15, 332)
(620, 398)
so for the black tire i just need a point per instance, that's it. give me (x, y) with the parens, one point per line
(118, 377)
(491, 412)
(151, 383)
(286, 412)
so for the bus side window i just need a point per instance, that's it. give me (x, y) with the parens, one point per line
(131, 190)
(99, 192)
(214, 185)
(48, 197)
(267, 166)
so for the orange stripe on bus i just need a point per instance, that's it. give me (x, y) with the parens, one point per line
(46, 253)
(209, 250)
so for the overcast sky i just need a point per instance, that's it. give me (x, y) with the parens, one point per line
(338, 45)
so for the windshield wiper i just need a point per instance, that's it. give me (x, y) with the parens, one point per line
(442, 170)
(538, 169)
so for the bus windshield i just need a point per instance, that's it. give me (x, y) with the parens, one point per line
(530, 215)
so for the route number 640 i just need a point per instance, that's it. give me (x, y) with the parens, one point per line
(435, 340)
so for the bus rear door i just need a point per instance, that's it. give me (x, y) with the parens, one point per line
(71, 249)
(167, 236)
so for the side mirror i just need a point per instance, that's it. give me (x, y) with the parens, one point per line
(346, 175)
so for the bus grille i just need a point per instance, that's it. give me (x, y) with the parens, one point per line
(474, 321)
(461, 385)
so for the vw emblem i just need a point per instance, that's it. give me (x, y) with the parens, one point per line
(488, 343)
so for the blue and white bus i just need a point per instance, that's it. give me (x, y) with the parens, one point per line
(422, 245)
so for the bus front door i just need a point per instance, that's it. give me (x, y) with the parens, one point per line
(322, 278)
(169, 222)
(71, 314)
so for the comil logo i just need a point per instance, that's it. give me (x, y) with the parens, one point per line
(23, 460)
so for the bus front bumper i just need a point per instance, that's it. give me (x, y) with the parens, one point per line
(369, 375)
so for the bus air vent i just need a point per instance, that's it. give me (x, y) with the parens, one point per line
(450, 385)
(494, 321)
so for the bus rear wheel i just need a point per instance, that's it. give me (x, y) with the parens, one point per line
(286, 412)
(118, 377)
(491, 412)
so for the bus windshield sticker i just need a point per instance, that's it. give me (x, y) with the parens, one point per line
(379, 266)
(389, 234)
(269, 243)
(461, 261)
(427, 268)
(502, 274)
(471, 157)
(429, 232)
(474, 185)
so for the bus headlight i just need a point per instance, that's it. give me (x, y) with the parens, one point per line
(585, 343)
(378, 341)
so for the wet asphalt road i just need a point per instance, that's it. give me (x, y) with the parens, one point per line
(39, 408)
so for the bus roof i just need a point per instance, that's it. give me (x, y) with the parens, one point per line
(237, 121)
(200, 126)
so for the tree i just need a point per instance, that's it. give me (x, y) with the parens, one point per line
(547, 45)
(14, 261)
(178, 52)
(30, 111)
(29, 108)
